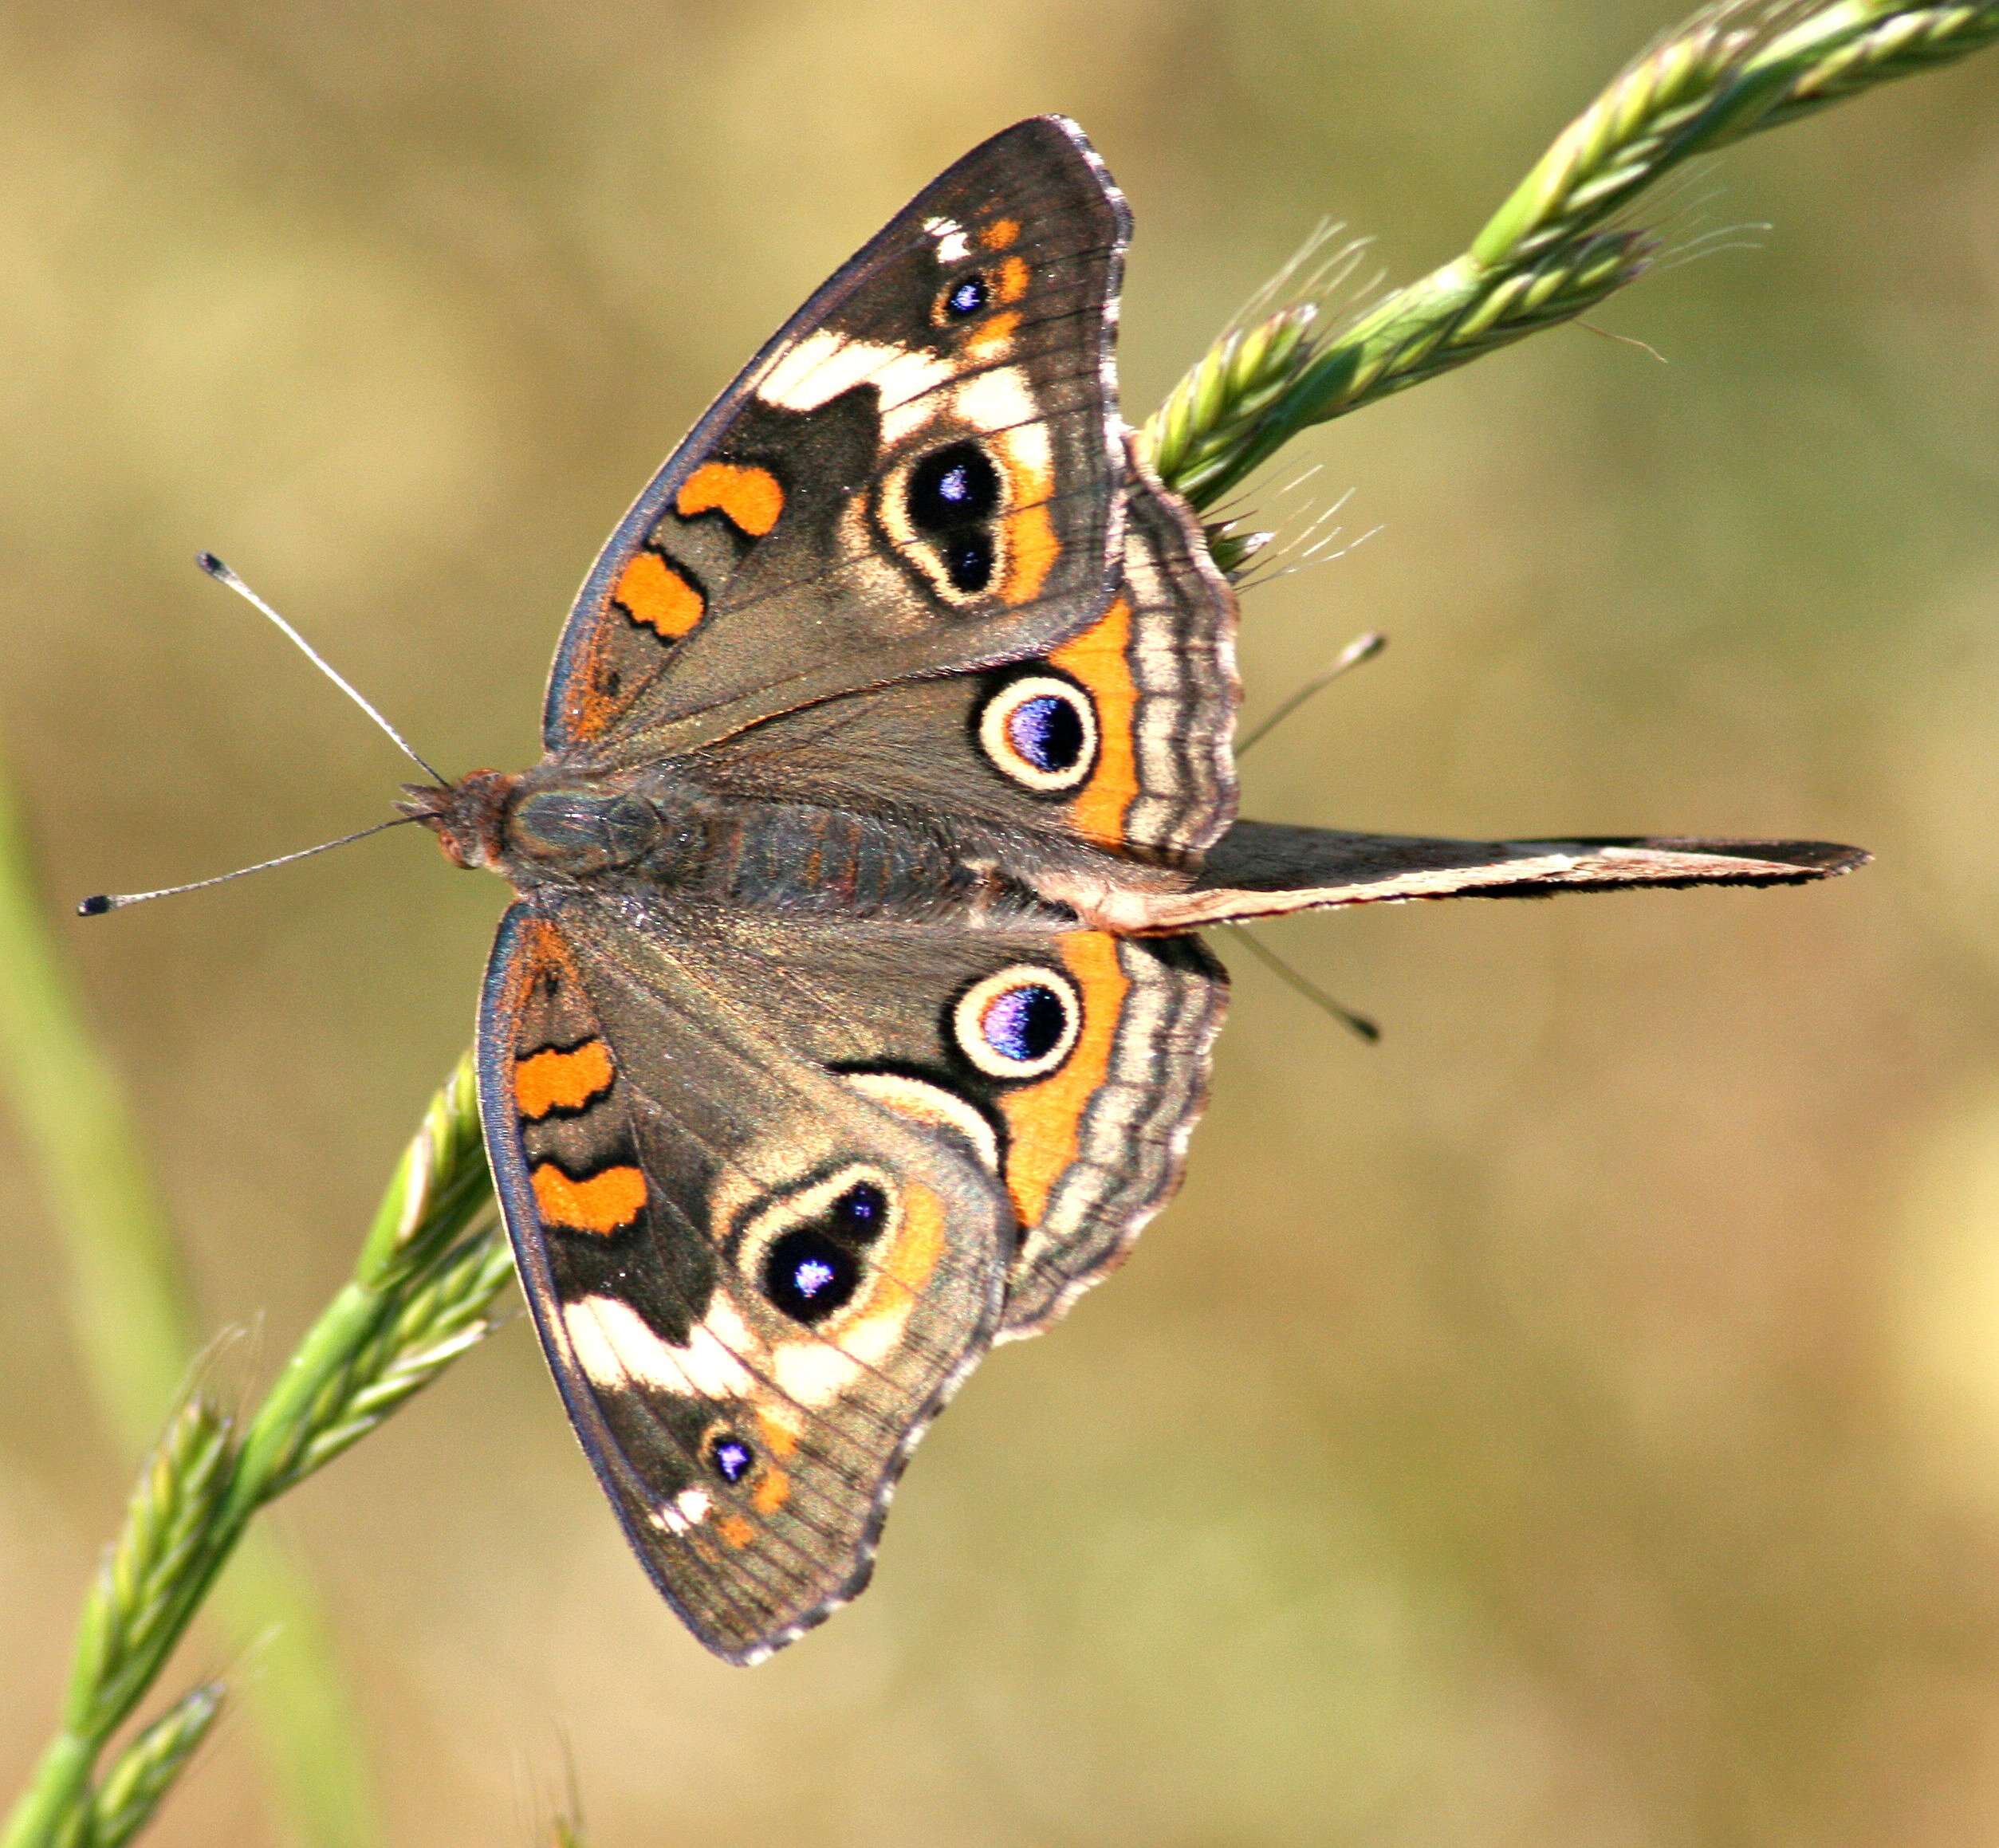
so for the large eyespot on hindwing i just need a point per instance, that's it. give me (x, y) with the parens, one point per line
(1021, 1023)
(808, 1253)
(1041, 732)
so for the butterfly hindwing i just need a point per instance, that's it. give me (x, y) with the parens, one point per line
(1071, 1064)
(1107, 758)
(921, 466)
(755, 1285)
(773, 1185)
(1157, 673)
(1261, 869)
(1096, 1149)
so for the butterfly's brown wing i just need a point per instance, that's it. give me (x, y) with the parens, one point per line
(1261, 869)
(918, 473)
(755, 1279)
(765, 1178)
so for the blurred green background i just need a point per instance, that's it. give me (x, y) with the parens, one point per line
(1575, 1421)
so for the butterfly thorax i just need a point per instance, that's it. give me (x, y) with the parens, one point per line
(661, 830)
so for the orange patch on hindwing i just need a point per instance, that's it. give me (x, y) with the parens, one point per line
(604, 1202)
(750, 498)
(779, 1438)
(1101, 659)
(1044, 1120)
(735, 1530)
(995, 337)
(1000, 234)
(919, 1239)
(1010, 279)
(553, 1080)
(652, 591)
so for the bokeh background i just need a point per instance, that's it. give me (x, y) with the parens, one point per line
(1574, 1422)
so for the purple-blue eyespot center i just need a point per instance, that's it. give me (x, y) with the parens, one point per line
(859, 1213)
(1024, 1024)
(732, 1458)
(1047, 731)
(809, 1274)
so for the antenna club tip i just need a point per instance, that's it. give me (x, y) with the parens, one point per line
(213, 565)
(94, 906)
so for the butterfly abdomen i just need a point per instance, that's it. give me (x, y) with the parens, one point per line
(668, 835)
(802, 857)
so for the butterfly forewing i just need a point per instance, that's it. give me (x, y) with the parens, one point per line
(923, 460)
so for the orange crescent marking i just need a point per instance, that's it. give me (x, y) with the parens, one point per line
(1010, 279)
(735, 1530)
(1099, 657)
(771, 1493)
(557, 1080)
(999, 233)
(605, 1202)
(749, 498)
(652, 592)
(1044, 1120)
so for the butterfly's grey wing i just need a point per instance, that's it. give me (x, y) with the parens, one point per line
(755, 1281)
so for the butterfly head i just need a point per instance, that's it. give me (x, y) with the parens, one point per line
(468, 817)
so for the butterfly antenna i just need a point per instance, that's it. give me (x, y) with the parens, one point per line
(222, 574)
(103, 901)
(1361, 648)
(1358, 1024)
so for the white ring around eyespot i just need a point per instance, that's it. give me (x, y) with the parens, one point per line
(966, 1021)
(932, 1106)
(998, 746)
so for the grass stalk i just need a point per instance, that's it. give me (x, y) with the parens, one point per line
(134, 1332)
(1559, 246)
(422, 1294)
